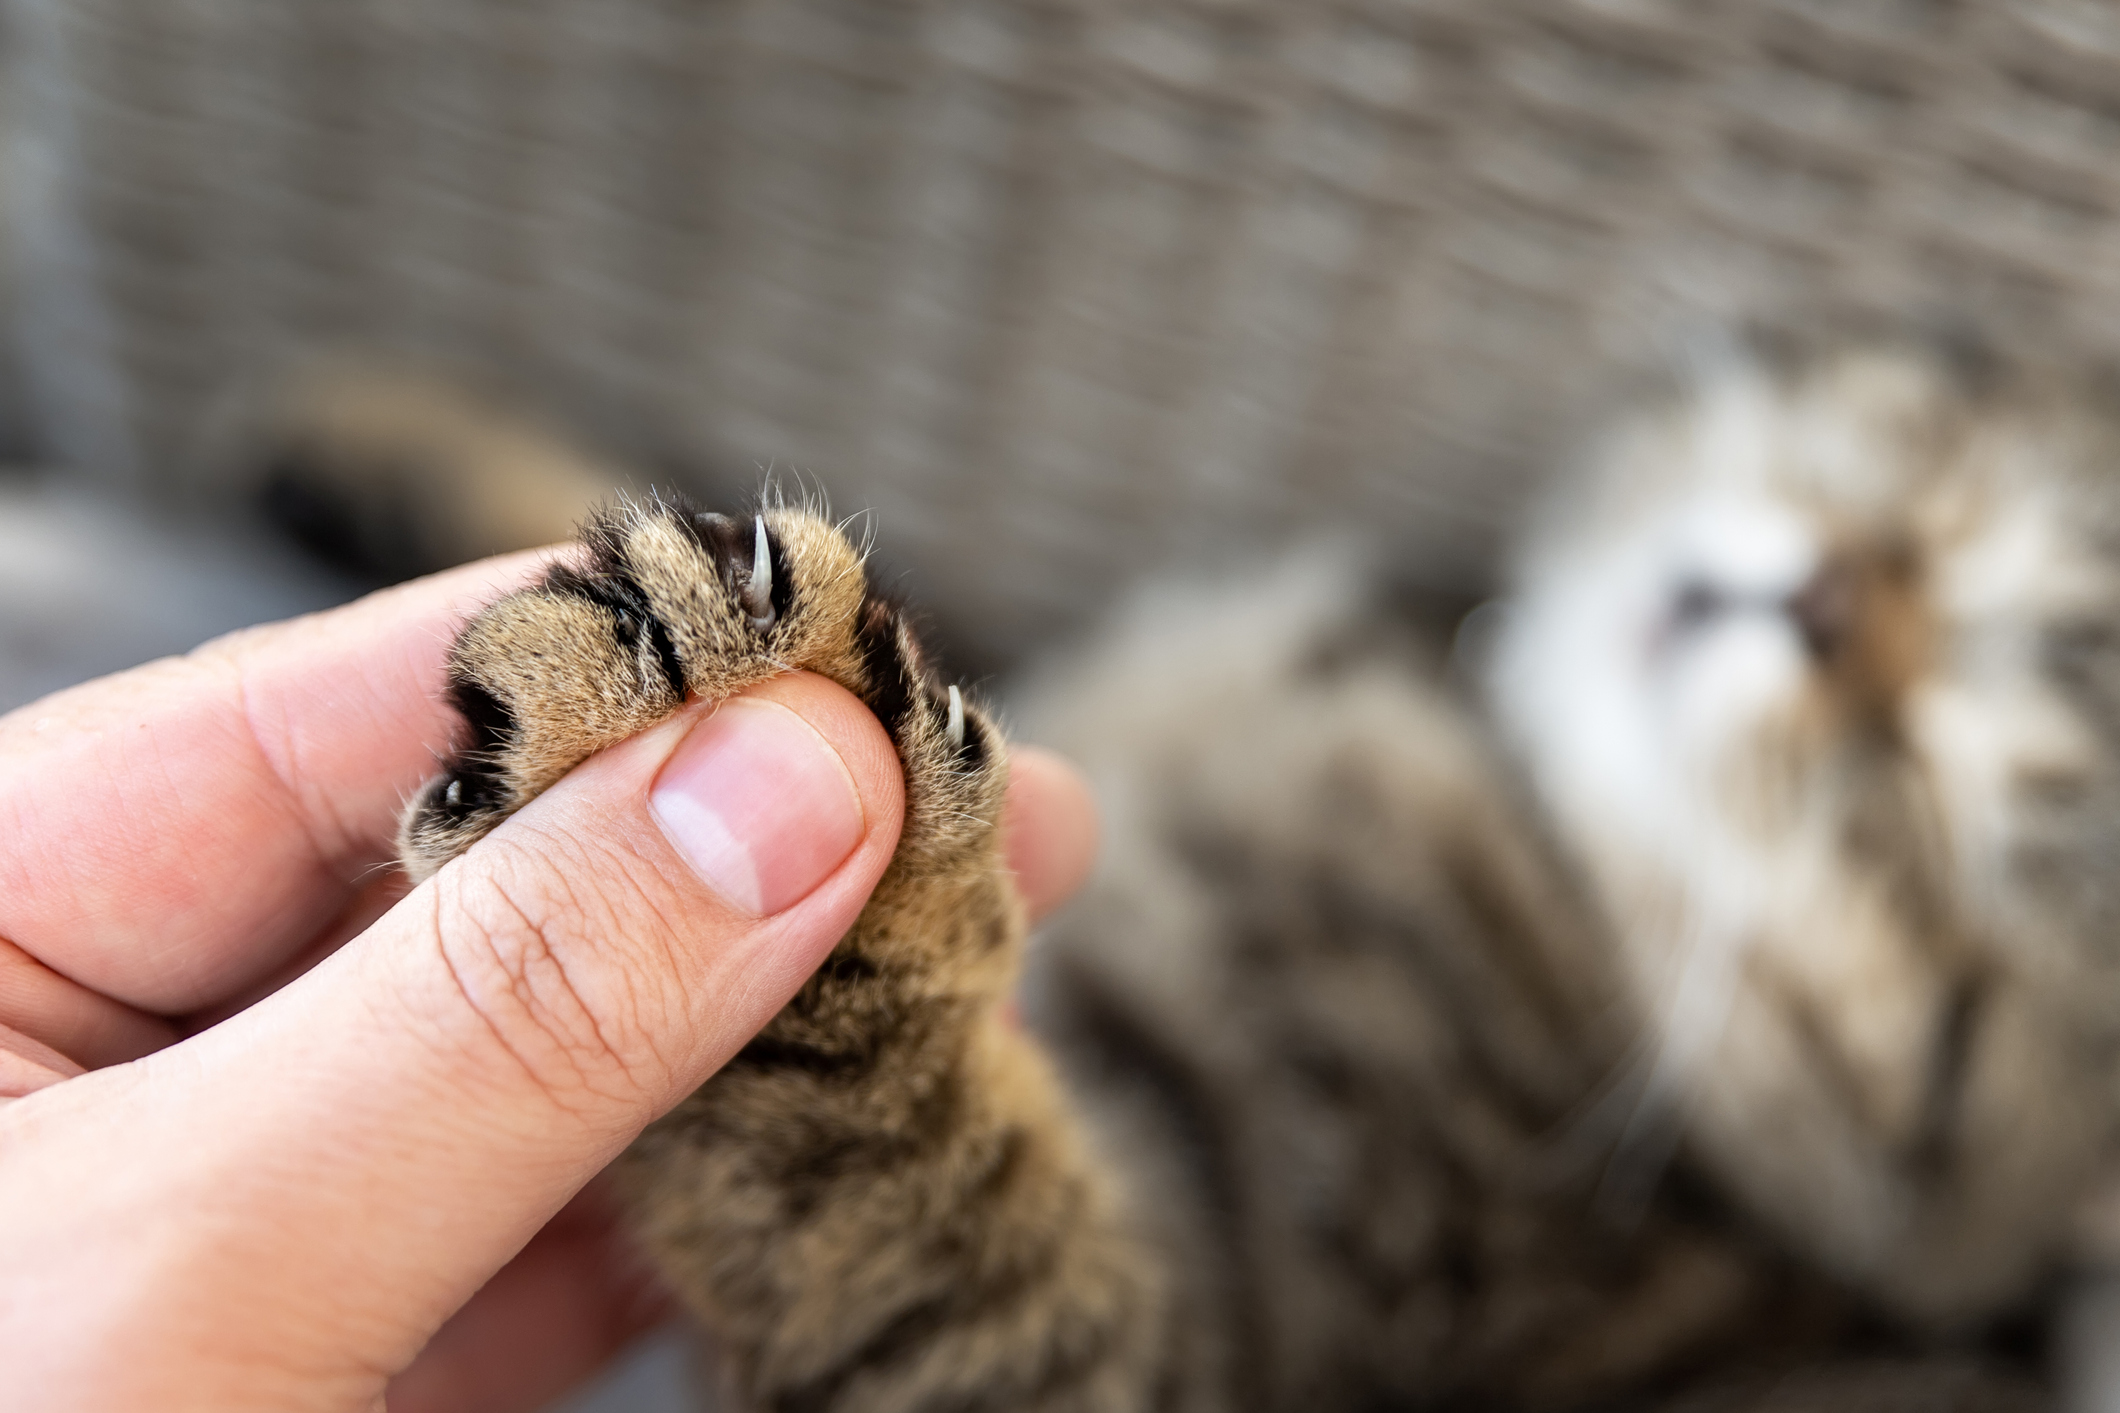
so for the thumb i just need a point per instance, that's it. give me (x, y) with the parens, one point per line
(301, 1195)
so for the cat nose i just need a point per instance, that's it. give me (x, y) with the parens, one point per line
(1824, 609)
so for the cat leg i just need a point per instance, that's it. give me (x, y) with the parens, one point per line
(391, 471)
(884, 1201)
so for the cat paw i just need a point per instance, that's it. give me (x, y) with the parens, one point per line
(667, 602)
(883, 1199)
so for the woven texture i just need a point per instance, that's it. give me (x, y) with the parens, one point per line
(1062, 289)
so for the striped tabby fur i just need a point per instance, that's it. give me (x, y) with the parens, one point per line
(1720, 1021)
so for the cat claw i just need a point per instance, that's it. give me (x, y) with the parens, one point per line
(956, 719)
(758, 592)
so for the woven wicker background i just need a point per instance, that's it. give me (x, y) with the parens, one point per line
(1063, 289)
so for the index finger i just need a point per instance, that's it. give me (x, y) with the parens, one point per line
(170, 834)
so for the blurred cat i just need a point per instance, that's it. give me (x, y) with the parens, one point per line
(1810, 673)
(1723, 1016)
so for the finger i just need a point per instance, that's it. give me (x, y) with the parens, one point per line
(169, 833)
(575, 1298)
(28, 1065)
(89, 1029)
(1048, 827)
(359, 1152)
(381, 891)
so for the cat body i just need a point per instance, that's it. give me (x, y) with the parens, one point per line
(1335, 996)
(1728, 1002)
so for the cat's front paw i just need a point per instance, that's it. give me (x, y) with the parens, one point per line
(883, 1199)
(667, 601)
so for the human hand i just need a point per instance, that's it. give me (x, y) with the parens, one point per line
(246, 1162)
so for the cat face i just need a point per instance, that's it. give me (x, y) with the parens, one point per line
(1812, 671)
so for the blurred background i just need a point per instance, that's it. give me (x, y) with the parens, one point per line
(1066, 291)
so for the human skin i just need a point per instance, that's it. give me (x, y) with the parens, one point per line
(274, 1134)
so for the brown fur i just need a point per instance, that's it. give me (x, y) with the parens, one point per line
(392, 473)
(1348, 1019)
(883, 1201)
(1341, 1119)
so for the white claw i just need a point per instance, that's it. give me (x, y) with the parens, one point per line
(956, 719)
(758, 592)
(455, 793)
